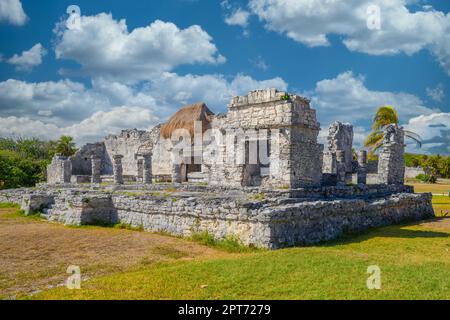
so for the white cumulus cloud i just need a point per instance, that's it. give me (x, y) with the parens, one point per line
(28, 59)
(26, 127)
(11, 11)
(215, 90)
(437, 93)
(238, 17)
(87, 113)
(105, 47)
(65, 100)
(401, 31)
(346, 98)
(103, 123)
(91, 129)
(434, 129)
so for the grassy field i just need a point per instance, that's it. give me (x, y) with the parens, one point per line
(441, 187)
(120, 264)
(35, 254)
(441, 205)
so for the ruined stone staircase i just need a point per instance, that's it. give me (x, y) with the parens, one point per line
(196, 177)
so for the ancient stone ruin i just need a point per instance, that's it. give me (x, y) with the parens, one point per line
(256, 173)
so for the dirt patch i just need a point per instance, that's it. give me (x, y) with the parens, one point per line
(35, 255)
(440, 224)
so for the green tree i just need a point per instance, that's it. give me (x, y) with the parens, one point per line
(16, 171)
(23, 161)
(445, 170)
(65, 146)
(384, 116)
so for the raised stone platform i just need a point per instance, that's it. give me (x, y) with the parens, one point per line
(263, 218)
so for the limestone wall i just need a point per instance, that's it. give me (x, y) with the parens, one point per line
(391, 163)
(412, 172)
(285, 123)
(272, 223)
(340, 137)
(81, 161)
(265, 109)
(59, 170)
(81, 209)
(128, 143)
(312, 222)
(161, 160)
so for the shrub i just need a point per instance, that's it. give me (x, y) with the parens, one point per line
(427, 178)
(435, 165)
(285, 97)
(229, 244)
(258, 197)
(23, 162)
(127, 226)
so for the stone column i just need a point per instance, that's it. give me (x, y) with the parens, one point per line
(340, 166)
(140, 170)
(176, 173)
(147, 166)
(362, 164)
(391, 166)
(333, 162)
(329, 162)
(340, 137)
(96, 164)
(362, 158)
(118, 169)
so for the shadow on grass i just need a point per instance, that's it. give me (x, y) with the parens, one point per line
(391, 231)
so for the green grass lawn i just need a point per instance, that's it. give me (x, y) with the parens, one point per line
(414, 262)
(441, 205)
(441, 187)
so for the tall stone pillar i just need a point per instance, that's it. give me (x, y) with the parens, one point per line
(118, 169)
(59, 170)
(176, 173)
(147, 168)
(140, 170)
(340, 137)
(96, 164)
(362, 167)
(391, 165)
(333, 162)
(340, 166)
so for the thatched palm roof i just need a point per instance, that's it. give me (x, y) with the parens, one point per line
(185, 119)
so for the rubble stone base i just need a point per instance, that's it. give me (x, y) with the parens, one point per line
(279, 220)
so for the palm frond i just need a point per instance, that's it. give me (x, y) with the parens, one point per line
(373, 138)
(414, 136)
(373, 142)
(385, 115)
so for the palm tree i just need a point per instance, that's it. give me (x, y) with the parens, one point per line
(65, 146)
(384, 116)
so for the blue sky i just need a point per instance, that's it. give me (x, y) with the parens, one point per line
(111, 75)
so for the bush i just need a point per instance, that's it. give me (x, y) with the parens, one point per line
(23, 162)
(433, 165)
(229, 244)
(286, 97)
(426, 178)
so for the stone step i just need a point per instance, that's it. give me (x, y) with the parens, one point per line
(196, 177)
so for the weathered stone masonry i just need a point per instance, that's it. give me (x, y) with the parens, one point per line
(285, 218)
(306, 192)
(60, 170)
